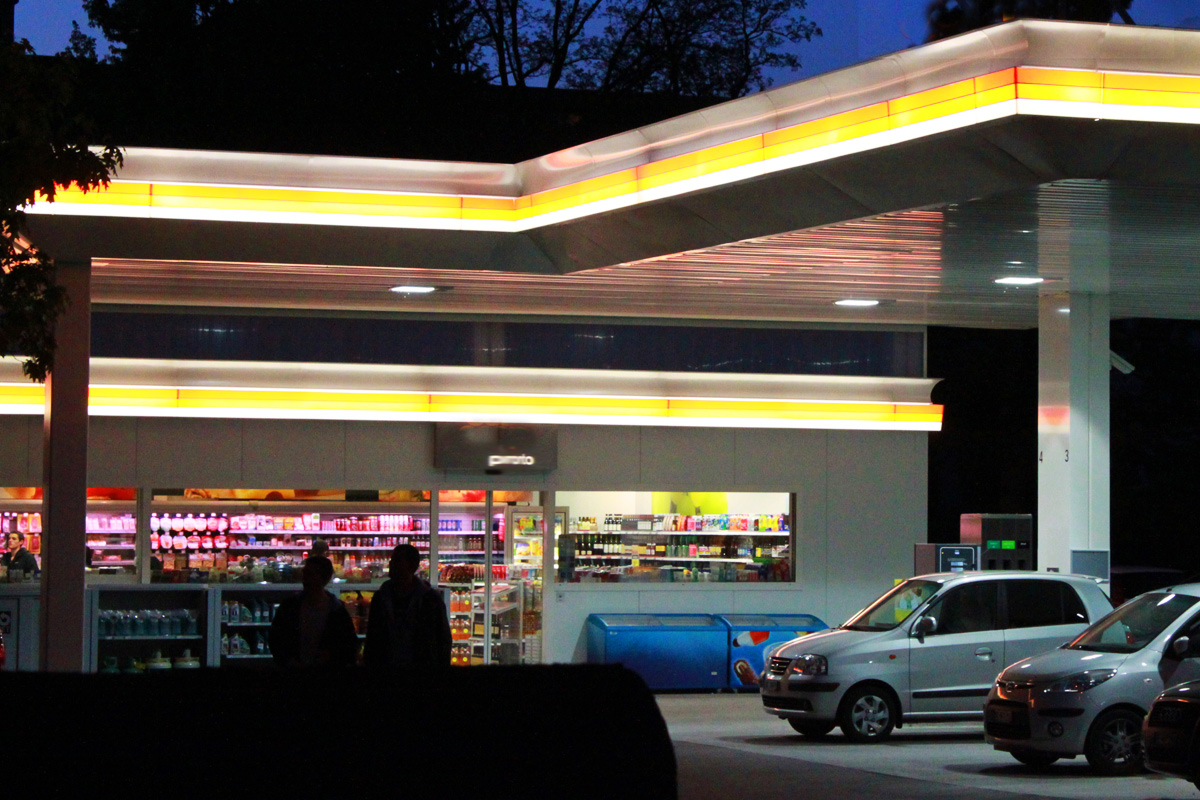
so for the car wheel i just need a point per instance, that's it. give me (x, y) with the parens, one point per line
(811, 728)
(868, 714)
(1035, 759)
(1114, 743)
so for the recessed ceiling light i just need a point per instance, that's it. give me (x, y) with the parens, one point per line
(1016, 262)
(413, 289)
(861, 303)
(1019, 281)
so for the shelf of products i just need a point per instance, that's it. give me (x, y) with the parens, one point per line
(267, 541)
(111, 530)
(141, 628)
(676, 547)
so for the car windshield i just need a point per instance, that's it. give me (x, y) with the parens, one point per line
(894, 607)
(1135, 624)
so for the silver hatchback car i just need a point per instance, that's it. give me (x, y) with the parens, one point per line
(1090, 696)
(928, 650)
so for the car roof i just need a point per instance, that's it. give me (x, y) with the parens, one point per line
(967, 576)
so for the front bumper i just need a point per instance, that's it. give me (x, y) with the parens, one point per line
(1026, 719)
(803, 698)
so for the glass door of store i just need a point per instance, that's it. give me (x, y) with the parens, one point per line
(489, 563)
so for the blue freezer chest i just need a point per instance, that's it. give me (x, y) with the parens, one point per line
(669, 651)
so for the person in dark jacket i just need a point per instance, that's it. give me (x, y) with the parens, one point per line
(407, 625)
(313, 628)
(17, 557)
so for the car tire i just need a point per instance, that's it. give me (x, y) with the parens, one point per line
(1035, 759)
(868, 714)
(1114, 743)
(810, 728)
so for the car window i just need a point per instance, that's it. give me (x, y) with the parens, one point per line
(894, 607)
(966, 609)
(1034, 603)
(1132, 626)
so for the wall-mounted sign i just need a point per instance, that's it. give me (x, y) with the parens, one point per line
(494, 447)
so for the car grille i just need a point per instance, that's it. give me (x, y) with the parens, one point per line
(1173, 714)
(787, 703)
(1006, 720)
(778, 666)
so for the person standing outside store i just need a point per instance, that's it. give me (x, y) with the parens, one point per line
(407, 625)
(313, 628)
(16, 557)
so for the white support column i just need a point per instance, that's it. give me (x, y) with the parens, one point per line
(1073, 433)
(64, 476)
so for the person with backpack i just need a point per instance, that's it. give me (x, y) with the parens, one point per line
(407, 625)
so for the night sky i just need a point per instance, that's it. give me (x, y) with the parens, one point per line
(854, 30)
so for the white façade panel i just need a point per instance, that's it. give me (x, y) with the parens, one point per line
(20, 450)
(294, 454)
(876, 511)
(390, 455)
(203, 453)
(112, 451)
(778, 460)
(565, 618)
(598, 457)
(688, 459)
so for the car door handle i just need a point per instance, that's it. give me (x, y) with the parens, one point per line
(984, 653)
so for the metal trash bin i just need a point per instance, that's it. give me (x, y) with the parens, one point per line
(751, 634)
(669, 651)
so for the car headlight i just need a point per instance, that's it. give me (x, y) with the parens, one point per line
(1081, 681)
(809, 665)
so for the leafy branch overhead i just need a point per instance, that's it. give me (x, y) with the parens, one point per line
(44, 143)
(704, 48)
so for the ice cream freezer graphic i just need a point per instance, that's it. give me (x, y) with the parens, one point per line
(693, 651)
(751, 634)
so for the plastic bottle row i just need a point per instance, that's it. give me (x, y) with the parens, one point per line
(121, 623)
(238, 645)
(253, 611)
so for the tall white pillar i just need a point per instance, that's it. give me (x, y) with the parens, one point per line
(1073, 433)
(64, 477)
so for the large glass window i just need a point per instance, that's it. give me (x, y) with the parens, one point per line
(676, 537)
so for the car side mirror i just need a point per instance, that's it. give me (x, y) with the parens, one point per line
(1181, 647)
(924, 625)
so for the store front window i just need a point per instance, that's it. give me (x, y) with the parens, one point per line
(676, 537)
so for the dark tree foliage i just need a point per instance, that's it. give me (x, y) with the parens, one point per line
(700, 48)
(952, 17)
(44, 144)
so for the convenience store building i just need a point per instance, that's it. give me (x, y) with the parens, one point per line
(993, 179)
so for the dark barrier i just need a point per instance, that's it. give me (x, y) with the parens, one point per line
(560, 731)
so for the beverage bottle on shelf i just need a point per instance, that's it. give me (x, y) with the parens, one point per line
(224, 644)
(179, 540)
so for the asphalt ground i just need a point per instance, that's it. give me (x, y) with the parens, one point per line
(727, 747)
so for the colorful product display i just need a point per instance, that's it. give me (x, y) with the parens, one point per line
(677, 547)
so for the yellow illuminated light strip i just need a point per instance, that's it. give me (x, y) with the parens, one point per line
(278, 204)
(190, 402)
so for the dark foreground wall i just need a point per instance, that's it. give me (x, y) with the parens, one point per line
(561, 731)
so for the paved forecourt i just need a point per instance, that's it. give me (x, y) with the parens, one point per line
(727, 747)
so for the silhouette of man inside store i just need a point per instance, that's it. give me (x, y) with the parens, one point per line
(313, 628)
(407, 625)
